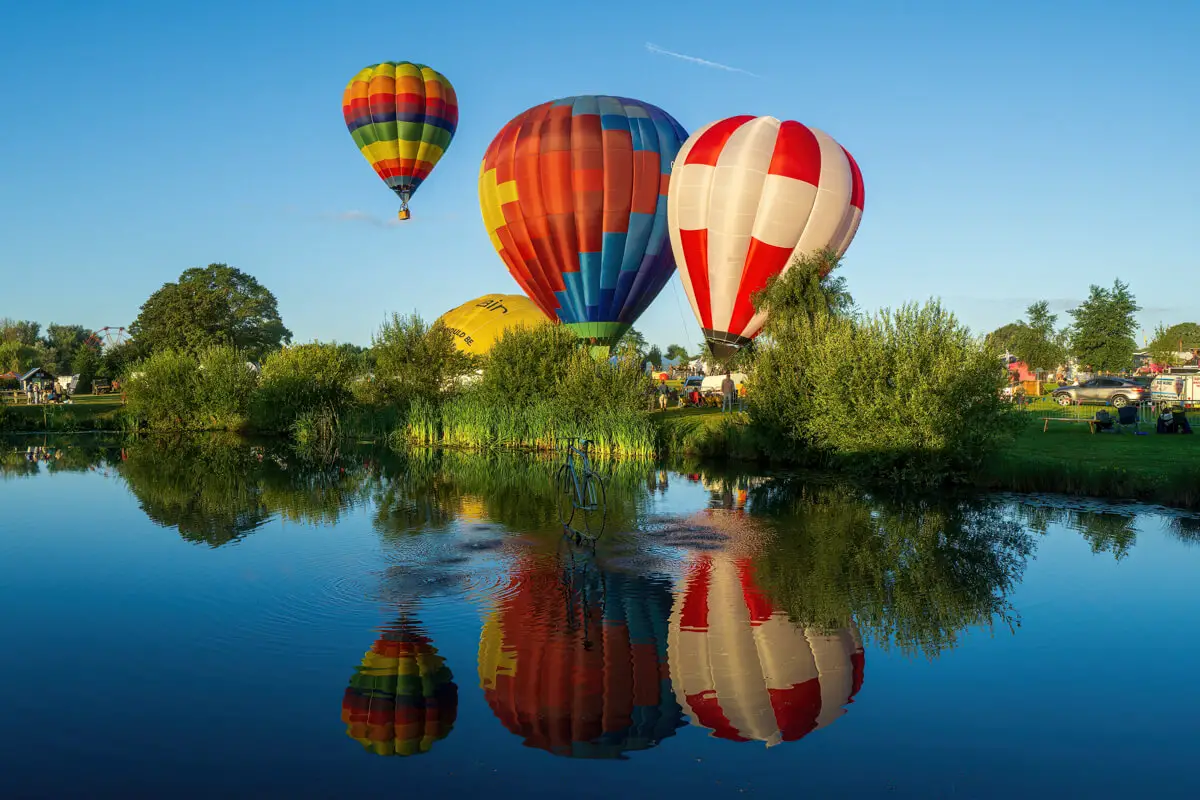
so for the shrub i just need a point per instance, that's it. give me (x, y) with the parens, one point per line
(225, 388)
(306, 379)
(414, 359)
(527, 365)
(161, 391)
(905, 395)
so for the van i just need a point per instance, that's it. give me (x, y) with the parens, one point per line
(711, 384)
(1181, 389)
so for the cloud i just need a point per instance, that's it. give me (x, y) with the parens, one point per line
(704, 62)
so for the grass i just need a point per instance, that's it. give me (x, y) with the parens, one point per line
(1069, 459)
(85, 413)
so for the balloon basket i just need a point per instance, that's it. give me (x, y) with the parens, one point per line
(404, 214)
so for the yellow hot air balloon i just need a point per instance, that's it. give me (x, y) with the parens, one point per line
(478, 323)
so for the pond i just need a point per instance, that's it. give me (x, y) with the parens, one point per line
(219, 617)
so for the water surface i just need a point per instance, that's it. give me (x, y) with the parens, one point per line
(218, 617)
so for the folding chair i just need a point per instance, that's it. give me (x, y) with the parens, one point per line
(1127, 416)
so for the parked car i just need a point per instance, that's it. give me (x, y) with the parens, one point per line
(1102, 391)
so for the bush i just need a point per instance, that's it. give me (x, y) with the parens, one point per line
(161, 391)
(310, 379)
(415, 360)
(527, 365)
(905, 395)
(225, 388)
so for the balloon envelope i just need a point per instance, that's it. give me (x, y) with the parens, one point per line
(743, 670)
(402, 117)
(478, 323)
(747, 196)
(402, 698)
(581, 673)
(573, 195)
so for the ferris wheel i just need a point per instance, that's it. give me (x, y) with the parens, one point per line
(108, 336)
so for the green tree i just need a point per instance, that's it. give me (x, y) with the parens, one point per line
(1001, 340)
(632, 342)
(1169, 342)
(16, 356)
(24, 331)
(1102, 333)
(414, 359)
(1036, 342)
(808, 287)
(654, 357)
(62, 344)
(118, 358)
(213, 305)
(677, 351)
(86, 363)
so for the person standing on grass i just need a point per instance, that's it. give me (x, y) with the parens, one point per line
(662, 395)
(727, 394)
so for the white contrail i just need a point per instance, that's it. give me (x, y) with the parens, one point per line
(653, 48)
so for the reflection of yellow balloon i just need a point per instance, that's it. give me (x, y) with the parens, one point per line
(477, 323)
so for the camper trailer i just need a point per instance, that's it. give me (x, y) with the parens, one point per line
(1179, 386)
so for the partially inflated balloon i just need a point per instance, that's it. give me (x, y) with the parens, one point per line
(478, 323)
(402, 117)
(573, 194)
(748, 195)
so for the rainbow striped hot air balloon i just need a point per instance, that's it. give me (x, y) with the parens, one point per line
(403, 697)
(574, 197)
(402, 117)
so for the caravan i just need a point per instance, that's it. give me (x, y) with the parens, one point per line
(1178, 386)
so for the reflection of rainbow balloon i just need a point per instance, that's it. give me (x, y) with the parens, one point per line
(547, 685)
(744, 671)
(402, 698)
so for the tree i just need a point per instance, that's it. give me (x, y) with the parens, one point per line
(677, 351)
(16, 356)
(210, 306)
(415, 359)
(1036, 342)
(1170, 342)
(86, 362)
(654, 357)
(62, 345)
(631, 342)
(1001, 340)
(1102, 333)
(809, 287)
(23, 331)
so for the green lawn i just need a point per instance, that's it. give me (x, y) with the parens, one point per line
(85, 413)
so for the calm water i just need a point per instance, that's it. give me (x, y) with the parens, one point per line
(216, 618)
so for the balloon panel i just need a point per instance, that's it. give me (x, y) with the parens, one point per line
(478, 323)
(747, 196)
(573, 196)
(402, 117)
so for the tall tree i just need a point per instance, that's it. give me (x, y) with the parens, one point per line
(24, 331)
(62, 344)
(1102, 333)
(677, 351)
(1036, 342)
(1001, 339)
(809, 286)
(632, 341)
(654, 357)
(217, 304)
(1170, 343)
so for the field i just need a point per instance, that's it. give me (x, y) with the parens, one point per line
(85, 413)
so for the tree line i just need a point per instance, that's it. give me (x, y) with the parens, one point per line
(1100, 336)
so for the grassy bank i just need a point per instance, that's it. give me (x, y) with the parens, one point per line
(1066, 459)
(85, 413)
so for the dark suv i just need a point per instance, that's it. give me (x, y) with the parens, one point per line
(1102, 391)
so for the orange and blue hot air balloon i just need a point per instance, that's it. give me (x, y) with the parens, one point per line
(574, 197)
(402, 117)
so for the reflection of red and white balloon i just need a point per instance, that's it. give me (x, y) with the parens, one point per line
(741, 669)
(746, 195)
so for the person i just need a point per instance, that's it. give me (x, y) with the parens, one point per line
(662, 395)
(727, 394)
(742, 397)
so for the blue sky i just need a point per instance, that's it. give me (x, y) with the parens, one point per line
(1009, 155)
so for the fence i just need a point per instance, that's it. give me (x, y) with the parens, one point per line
(1044, 406)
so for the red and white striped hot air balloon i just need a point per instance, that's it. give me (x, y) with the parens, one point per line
(746, 195)
(743, 670)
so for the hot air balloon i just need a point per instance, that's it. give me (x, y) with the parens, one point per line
(403, 697)
(478, 323)
(402, 117)
(741, 669)
(580, 669)
(573, 195)
(747, 195)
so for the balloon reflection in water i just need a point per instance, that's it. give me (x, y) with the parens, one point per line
(402, 698)
(574, 660)
(743, 670)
